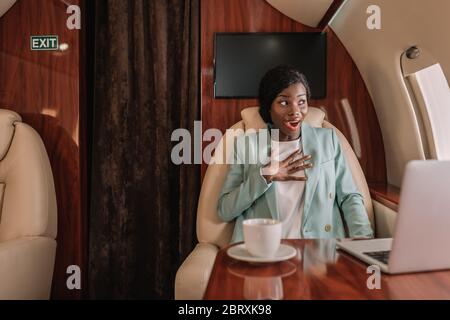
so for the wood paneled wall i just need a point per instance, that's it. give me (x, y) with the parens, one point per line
(44, 88)
(343, 78)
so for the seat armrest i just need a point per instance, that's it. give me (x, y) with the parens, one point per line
(193, 275)
(385, 219)
(26, 268)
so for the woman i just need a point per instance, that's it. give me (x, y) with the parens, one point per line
(307, 184)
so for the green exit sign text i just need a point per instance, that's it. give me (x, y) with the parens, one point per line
(44, 43)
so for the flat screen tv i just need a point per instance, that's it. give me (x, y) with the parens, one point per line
(242, 59)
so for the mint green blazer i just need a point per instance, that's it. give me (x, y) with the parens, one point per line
(331, 196)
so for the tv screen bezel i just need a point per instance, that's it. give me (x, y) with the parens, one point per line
(324, 34)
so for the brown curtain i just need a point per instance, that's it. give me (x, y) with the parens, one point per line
(142, 219)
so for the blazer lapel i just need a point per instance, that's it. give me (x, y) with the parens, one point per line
(310, 147)
(270, 195)
(271, 199)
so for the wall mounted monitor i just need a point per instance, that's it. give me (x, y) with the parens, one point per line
(241, 60)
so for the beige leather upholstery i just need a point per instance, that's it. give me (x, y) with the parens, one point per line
(385, 219)
(357, 173)
(7, 120)
(190, 280)
(193, 275)
(28, 220)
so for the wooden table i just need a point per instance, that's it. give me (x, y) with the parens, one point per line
(319, 271)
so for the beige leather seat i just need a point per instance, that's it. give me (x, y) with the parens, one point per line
(27, 212)
(192, 277)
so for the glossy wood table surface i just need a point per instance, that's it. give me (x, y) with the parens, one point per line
(319, 271)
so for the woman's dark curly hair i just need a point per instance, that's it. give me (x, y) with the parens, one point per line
(275, 81)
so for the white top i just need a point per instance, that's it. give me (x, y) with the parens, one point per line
(289, 194)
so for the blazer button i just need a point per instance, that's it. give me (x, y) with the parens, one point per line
(330, 195)
(327, 228)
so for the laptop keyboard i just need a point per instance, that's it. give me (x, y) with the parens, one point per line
(382, 256)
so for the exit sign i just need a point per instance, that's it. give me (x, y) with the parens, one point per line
(44, 43)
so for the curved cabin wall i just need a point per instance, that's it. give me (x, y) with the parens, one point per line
(44, 88)
(348, 104)
(377, 54)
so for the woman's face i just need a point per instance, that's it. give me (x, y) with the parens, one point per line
(288, 111)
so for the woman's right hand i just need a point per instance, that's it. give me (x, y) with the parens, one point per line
(285, 170)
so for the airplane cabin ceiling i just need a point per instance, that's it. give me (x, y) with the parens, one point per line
(5, 5)
(307, 12)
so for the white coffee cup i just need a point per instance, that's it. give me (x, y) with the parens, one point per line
(262, 237)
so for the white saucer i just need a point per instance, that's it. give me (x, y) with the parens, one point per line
(239, 252)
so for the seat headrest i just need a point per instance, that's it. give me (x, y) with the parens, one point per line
(252, 118)
(7, 120)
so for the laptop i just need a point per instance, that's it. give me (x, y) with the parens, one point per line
(422, 230)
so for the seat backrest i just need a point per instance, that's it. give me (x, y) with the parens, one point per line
(27, 192)
(210, 229)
